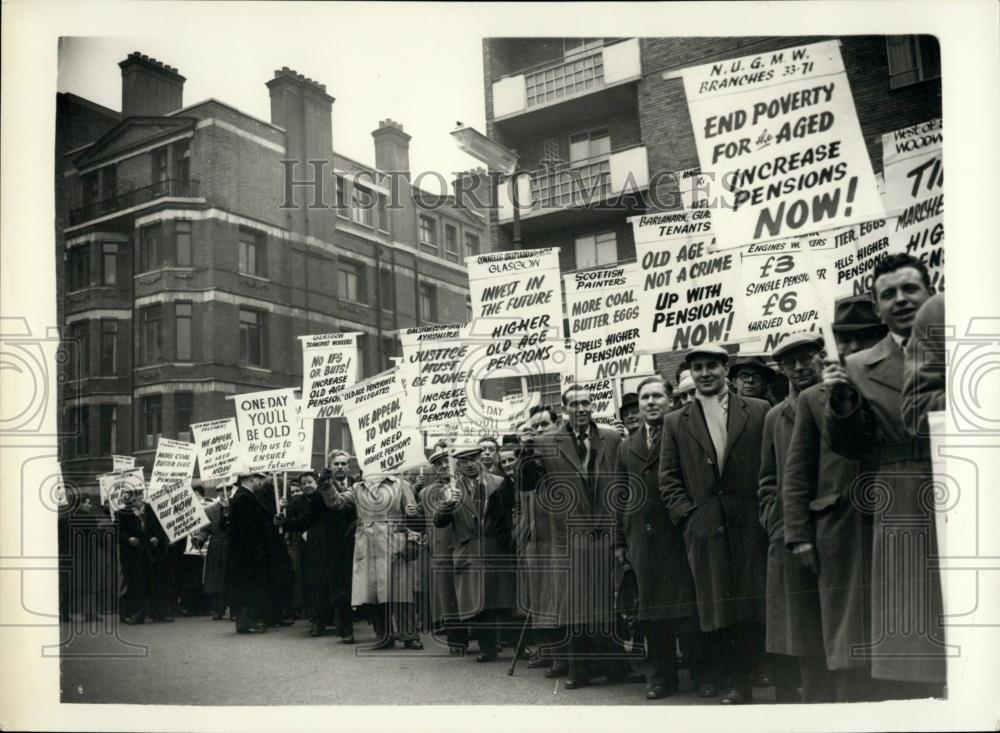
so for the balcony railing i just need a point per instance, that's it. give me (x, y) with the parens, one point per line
(568, 186)
(565, 79)
(574, 76)
(584, 183)
(135, 197)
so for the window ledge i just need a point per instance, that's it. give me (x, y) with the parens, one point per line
(259, 278)
(262, 370)
(160, 270)
(348, 301)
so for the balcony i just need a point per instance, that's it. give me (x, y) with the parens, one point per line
(587, 82)
(169, 188)
(583, 185)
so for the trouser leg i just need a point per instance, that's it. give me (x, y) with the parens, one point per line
(660, 646)
(404, 621)
(785, 673)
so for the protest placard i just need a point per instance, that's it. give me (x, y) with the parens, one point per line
(858, 249)
(437, 369)
(218, 447)
(781, 292)
(701, 191)
(170, 494)
(780, 132)
(518, 406)
(688, 296)
(329, 365)
(602, 306)
(914, 193)
(516, 312)
(268, 433)
(488, 419)
(374, 410)
(304, 434)
(122, 463)
(115, 487)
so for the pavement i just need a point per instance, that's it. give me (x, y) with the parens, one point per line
(197, 661)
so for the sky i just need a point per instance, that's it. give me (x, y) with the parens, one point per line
(373, 64)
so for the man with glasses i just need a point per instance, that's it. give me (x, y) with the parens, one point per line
(753, 378)
(794, 632)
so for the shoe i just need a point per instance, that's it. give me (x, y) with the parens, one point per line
(572, 684)
(557, 670)
(787, 697)
(708, 689)
(763, 679)
(628, 678)
(736, 697)
(167, 619)
(413, 644)
(487, 657)
(217, 617)
(347, 640)
(384, 644)
(539, 663)
(133, 620)
(316, 630)
(255, 629)
(657, 692)
(456, 650)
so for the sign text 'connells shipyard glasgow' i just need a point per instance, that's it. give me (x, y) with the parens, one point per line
(516, 312)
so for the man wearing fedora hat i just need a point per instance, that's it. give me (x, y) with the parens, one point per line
(709, 461)
(824, 527)
(753, 377)
(793, 625)
(864, 421)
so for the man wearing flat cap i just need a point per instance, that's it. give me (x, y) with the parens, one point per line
(824, 527)
(709, 462)
(482, 561)
(753, 377)
(794, 634)
(248, 564)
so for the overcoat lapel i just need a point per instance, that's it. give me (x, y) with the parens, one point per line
(698, 428)
(568, 448)
(737, 420)
(884, 364)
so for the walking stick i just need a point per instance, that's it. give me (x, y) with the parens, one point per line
(520, 645)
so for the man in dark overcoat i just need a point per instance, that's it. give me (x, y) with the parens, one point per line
(573, 474)
(825, 526)
(864, 421)
(482, 562)
(248, 559)
(651, 544)
(794, 630)
(709, 462)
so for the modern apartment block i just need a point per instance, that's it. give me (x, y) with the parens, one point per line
(185, 276)
(591, 118)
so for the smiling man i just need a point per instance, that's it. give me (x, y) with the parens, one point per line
(709, 460)
(863, 420)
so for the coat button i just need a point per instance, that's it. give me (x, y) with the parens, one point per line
(710, 461)
(649, 527)
(720, 530)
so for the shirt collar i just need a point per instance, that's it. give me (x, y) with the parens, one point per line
(897, 338)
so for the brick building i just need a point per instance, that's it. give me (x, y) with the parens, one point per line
(598, 111)
(183, 276)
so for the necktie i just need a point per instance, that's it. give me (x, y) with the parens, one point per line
(652, 437)
(582, 448)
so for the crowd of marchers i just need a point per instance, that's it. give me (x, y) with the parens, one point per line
(754, 541)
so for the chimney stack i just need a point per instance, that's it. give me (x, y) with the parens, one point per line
(392, 148)
(150, 87)
(302, 107)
